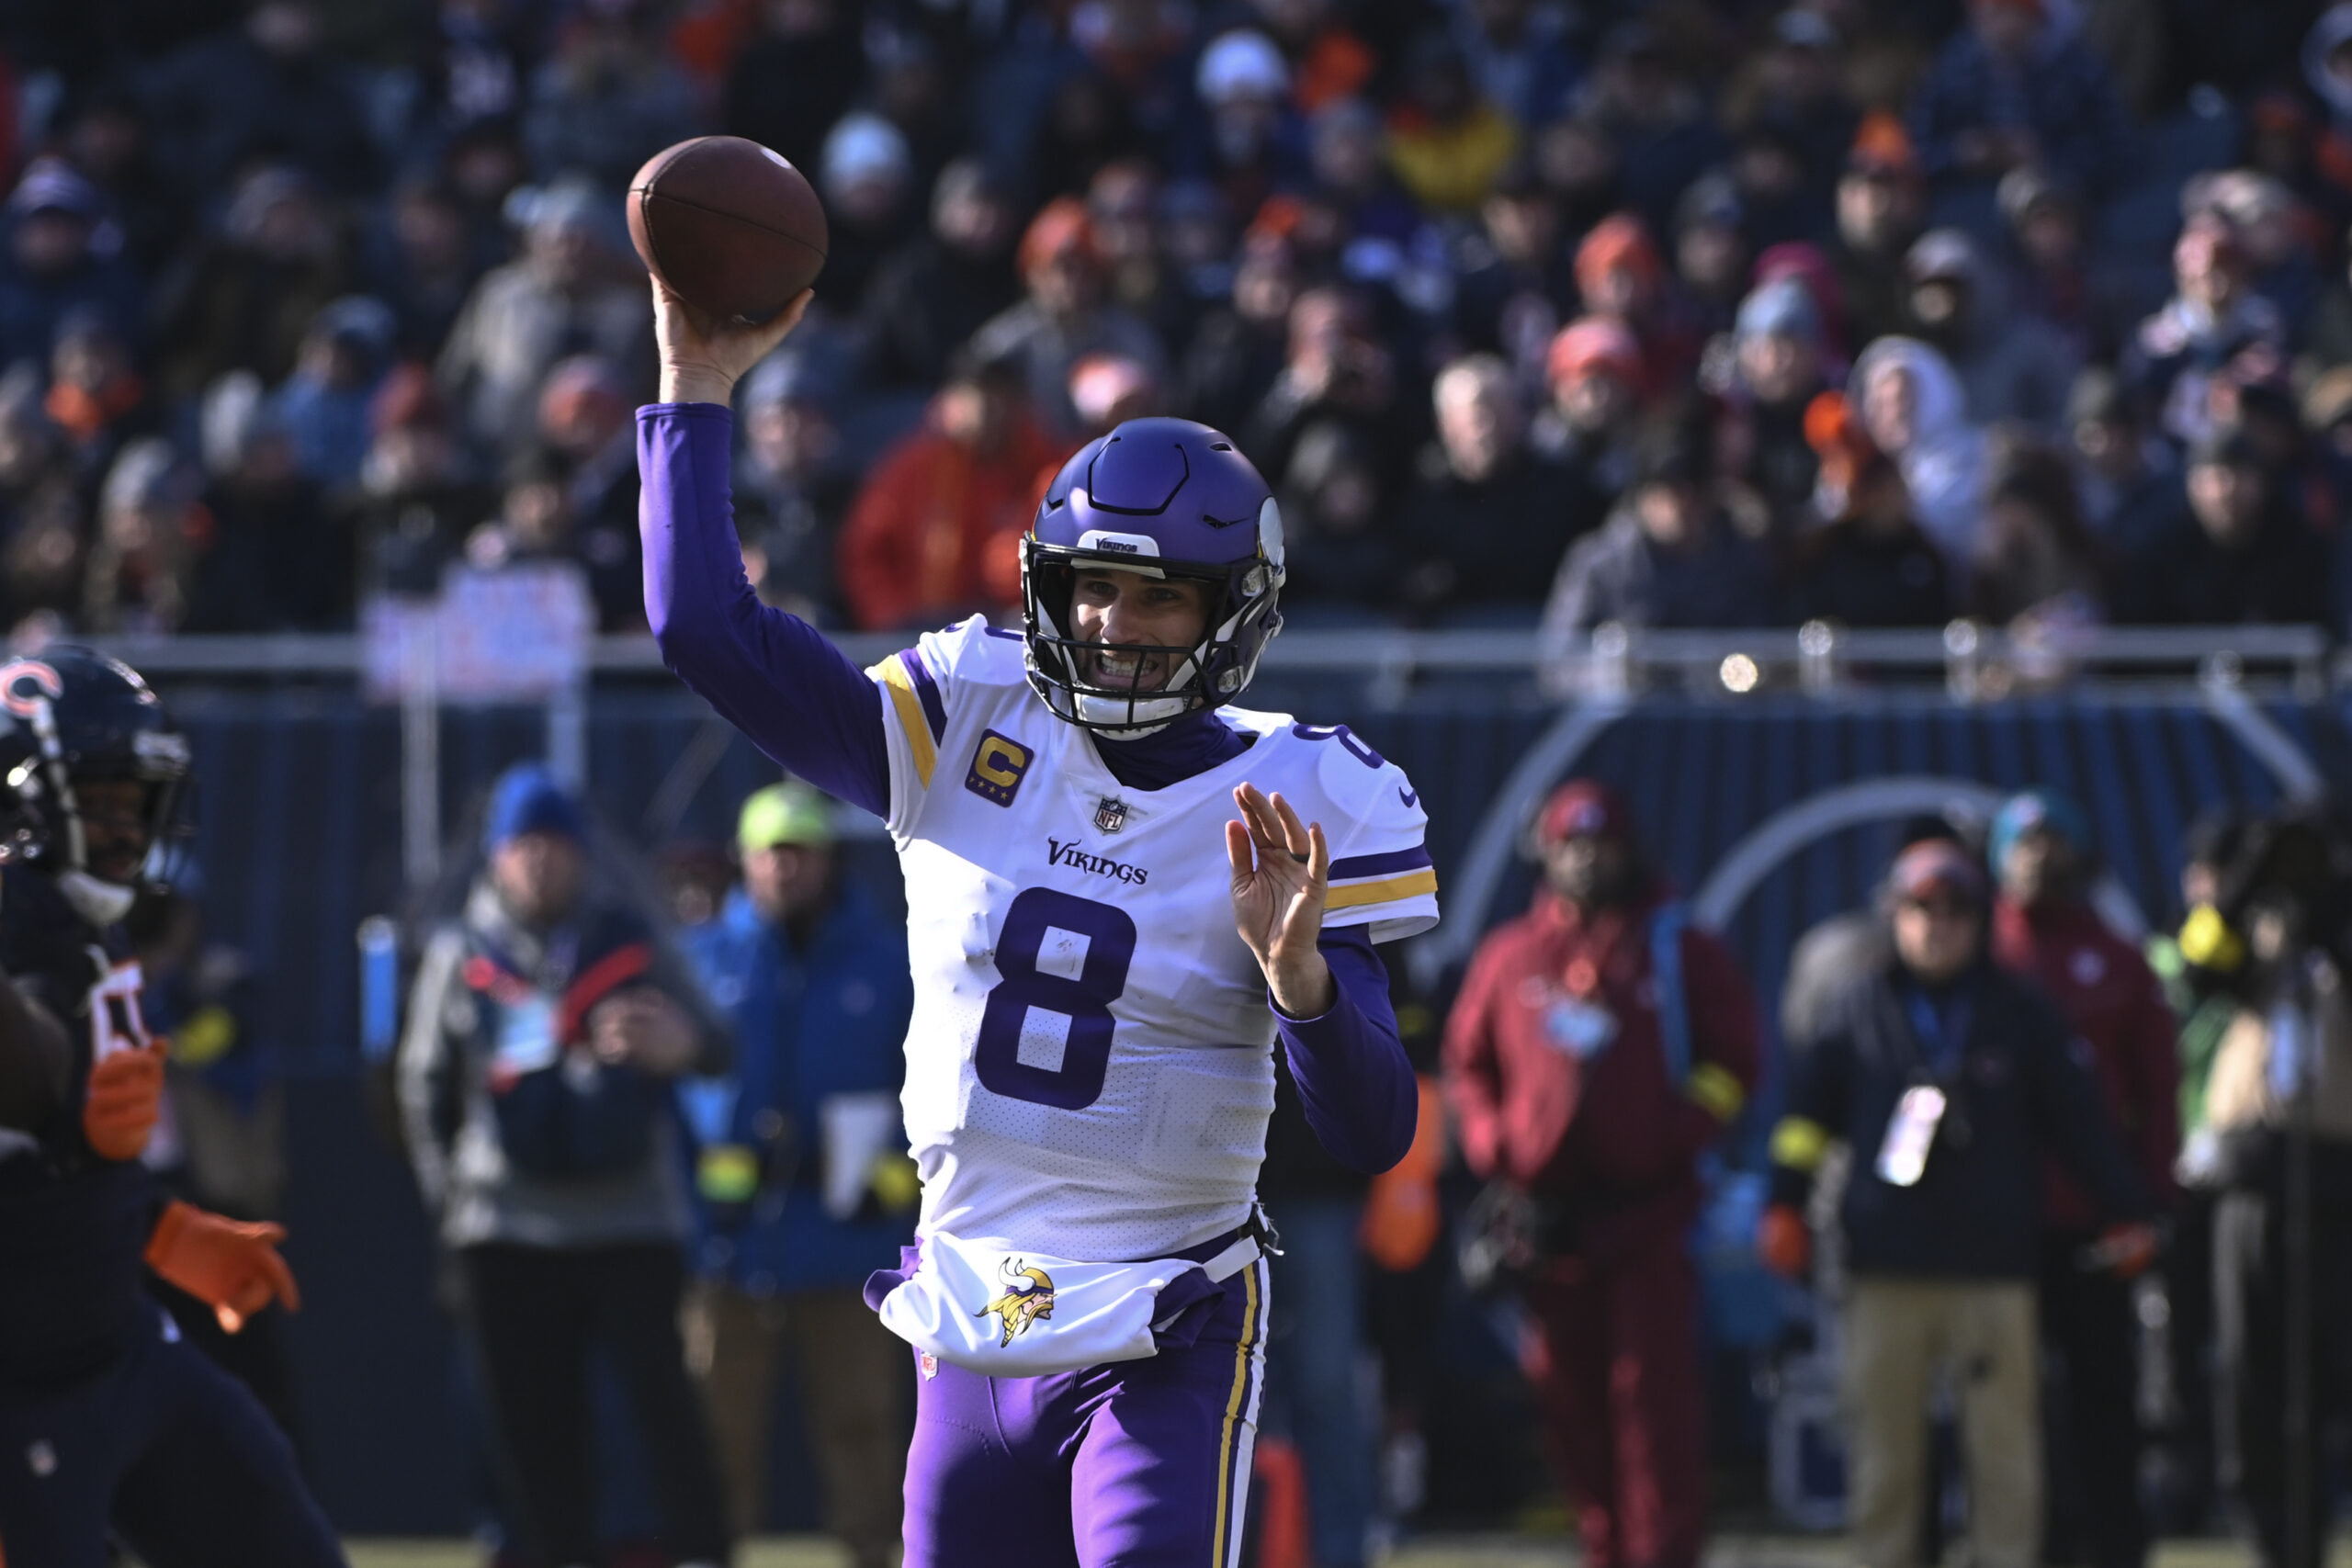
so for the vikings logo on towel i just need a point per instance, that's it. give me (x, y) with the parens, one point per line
(1028, 1296)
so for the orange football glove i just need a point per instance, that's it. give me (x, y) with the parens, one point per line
(1400, 1212)
(125, 1096)
(230, 1266)
(1784, 1242)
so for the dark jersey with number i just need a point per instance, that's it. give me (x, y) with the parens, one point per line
(74, 1225)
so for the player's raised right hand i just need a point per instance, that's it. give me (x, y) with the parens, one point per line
(702, 356)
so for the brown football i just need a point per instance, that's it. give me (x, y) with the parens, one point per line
(732, 227)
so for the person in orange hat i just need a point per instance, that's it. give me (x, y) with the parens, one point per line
(1066, 317)
(1599, 1045)
(1870, 564)
(1597, 380)
(1881, 207)
(1623, 279)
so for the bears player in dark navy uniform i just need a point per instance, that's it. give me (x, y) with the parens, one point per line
(110, 1424)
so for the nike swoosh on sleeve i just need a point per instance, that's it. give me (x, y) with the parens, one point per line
(1410, 798)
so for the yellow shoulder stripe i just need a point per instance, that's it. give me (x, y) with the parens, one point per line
(1413, 884)
(902, 687)
(1799, 1144)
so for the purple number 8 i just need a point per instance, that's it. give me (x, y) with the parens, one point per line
(1085, 1001)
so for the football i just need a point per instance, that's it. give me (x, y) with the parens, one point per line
(734, 228)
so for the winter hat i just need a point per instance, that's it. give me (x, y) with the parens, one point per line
(2032, 810)
(527, 799)
(1584, 808)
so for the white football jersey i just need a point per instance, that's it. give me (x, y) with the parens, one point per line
(1089, 1067)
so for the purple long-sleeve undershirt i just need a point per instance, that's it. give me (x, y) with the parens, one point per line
(804, 704)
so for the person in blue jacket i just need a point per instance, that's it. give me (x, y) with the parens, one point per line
(801, 1170)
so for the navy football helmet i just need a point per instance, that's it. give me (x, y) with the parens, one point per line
(70, 717)
(1165, 498)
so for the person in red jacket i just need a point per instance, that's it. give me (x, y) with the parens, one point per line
(930, 538)
(2045, 929)
(1582, 1078)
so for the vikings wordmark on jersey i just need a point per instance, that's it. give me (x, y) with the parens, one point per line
(1090, 1064)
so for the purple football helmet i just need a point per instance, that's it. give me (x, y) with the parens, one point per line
(1164, 498)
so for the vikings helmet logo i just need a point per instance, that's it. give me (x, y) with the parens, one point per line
(1028, 1296)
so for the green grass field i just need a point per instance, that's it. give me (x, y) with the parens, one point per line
(1468, 1551)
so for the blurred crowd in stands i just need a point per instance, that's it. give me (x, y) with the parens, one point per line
(1666, 314)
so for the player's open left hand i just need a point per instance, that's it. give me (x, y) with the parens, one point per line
(702, 356)
(1282, 869)
(230, 1266)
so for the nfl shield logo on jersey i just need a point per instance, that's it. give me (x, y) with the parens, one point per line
(1110, 815)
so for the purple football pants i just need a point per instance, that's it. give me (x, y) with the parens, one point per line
(1134, 1464)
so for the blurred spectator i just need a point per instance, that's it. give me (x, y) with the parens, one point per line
(1489, 521)
(1595, 372)
(2018, 87)
(935, 291)
(140, 573)
(1871, 565)
(428, 264)
(1338, 537)
(542, 1034)
(2276, 234)
(1515, 283)
(1950, 1079)
(1122, 204)
(106, 133)
(1239, 349)
(1644, 101)
(1914, 412)
(587, 423)
(40, 512)
(2036, 564)
(96, 397)
(2238, 552)
(1577, 160)
(484, 165)
(474, 65)
(1252, 143)
(793, 486)
(570, 291)
(416, 498)
(1065, 317)
(1778, 370)
(608, 97)
(1520, 56)
(1794, 89)
(791, 82)
(1445, 141)
(62, 254)
(1668, 555)
(2045, 929)
(253, 291)
(868, 176)
(931, 532)
(1881, 207)
(265, 90)
(913, 88)
(1621, 277)
(2213, 325)
(2054, 285)
(802, 1172)
(324, 404)
(1327, 61)
(1347, 150)
(1086, 121)
(277, 561)
(2128, 478)
(1337, 368)
(1136, 52)
(1599, 1047)
(1711, 250)
(2012, 369)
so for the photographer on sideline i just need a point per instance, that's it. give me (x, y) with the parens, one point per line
(1949, 1079)
(542, 1034)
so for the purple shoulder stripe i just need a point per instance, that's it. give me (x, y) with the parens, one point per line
(934, 712)
(1386, 864)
